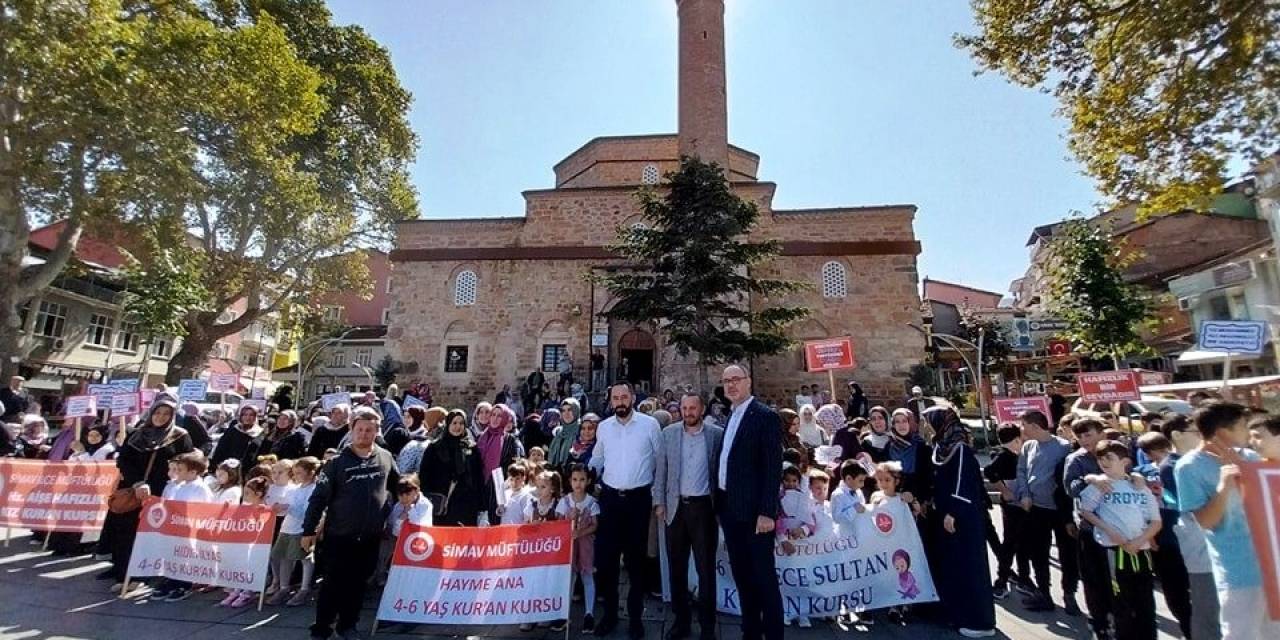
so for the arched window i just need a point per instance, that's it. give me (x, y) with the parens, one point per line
(464, 289)
(649, 175)
(834, 282)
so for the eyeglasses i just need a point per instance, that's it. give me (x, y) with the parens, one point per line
(733, 380)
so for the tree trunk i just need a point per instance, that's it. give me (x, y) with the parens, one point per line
(190, 358)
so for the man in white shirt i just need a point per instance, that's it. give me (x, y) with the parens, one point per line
(624, 458)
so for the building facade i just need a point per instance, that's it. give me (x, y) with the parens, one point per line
(477, 304)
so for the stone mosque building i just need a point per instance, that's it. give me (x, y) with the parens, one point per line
(479, 303)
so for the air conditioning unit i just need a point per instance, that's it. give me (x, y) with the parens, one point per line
(58, 344)
(1185, 304)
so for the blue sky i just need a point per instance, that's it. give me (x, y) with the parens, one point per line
(847, 103)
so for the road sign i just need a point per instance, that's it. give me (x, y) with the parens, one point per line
(1109, 386)
(1059, 348)
(1233, 336)
(828, 355)
(1008, 410)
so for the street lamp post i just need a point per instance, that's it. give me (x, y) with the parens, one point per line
(367, 372)
(323, 342)
(952, 341)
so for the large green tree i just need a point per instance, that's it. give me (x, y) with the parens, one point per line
(1161, 96)
(691, 271)
(1104, 314)
(107, 113)
(278, 222)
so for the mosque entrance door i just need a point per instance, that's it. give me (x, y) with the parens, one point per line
(636, 351)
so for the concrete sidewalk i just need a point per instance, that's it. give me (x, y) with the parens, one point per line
(43, 596)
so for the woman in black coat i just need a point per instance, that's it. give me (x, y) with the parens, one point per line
(451, 473)
(157, 441)
(287, 441)
(243, 440)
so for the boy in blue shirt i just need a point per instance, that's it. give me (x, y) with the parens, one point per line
(1209, 487)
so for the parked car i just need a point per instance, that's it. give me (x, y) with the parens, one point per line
(1131, 411)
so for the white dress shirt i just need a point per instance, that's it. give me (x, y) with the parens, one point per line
(625, 452)
(730, 432)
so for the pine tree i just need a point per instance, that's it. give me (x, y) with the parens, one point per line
(692, 272)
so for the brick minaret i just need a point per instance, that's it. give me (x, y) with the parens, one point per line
(704, 117)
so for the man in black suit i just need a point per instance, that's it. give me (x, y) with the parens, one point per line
(750, 473)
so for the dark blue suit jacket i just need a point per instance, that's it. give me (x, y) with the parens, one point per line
(754, 472)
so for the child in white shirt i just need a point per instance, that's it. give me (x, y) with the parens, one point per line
(819, 482)
(255, 493)
(226, 482)
(798, 519)
(287, 550)
(518, 495)
(847, 501)
(186, 470)
(282, 484)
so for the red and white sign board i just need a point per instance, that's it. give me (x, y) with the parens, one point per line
(220, 382)
(1109, 386)
(1059, 348)
(1260, 488)
(223, 545)
(1009, 410)
(827, 355)
(55, 496)
(490, 575)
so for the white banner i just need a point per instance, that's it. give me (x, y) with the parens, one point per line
(485, 576)
(879, 564)
(222, 545)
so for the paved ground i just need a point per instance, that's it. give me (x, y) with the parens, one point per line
(47, 597)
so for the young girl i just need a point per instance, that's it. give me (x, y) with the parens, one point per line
(888, 478)
(545, 507)
(95, 448)
(255, 492)
(226, 482)
(287, 550)
(581, 507)
(282, 485)
(798, 520)
(538, 457)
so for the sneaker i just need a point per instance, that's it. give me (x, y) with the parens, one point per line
(804, 622)
(300, 598)
(588, 623)
(245, 599)
(526, 627)
(161, 593)
(1000, 590)
(278, 598)
(1026, 588)
(1069, 605)
(177, 595)
(977, 633)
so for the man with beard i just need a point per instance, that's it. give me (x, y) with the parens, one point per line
(625, 455)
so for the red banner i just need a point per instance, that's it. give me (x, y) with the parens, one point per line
(55, 496)
(1260, 488)
(224, 545)
(825, 355)
(1009, 410)
(491, 575)
(1109, 386)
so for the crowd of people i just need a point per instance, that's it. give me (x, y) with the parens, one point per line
(1124, 510)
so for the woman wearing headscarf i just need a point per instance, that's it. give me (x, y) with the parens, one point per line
(566, 435)
(876, 443)
(428, 428)
(194, 424)
(452, 471)
(33, 443)
(242, 441)
(498, 450)
(94, 445)
(831, 418)
(583, 445)
(287, 441)
(811, 434)
(790, 430)
(907, 448)
(540, 433)
(144, 467)
(480, 419)
(858, 403)
(958, 527)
